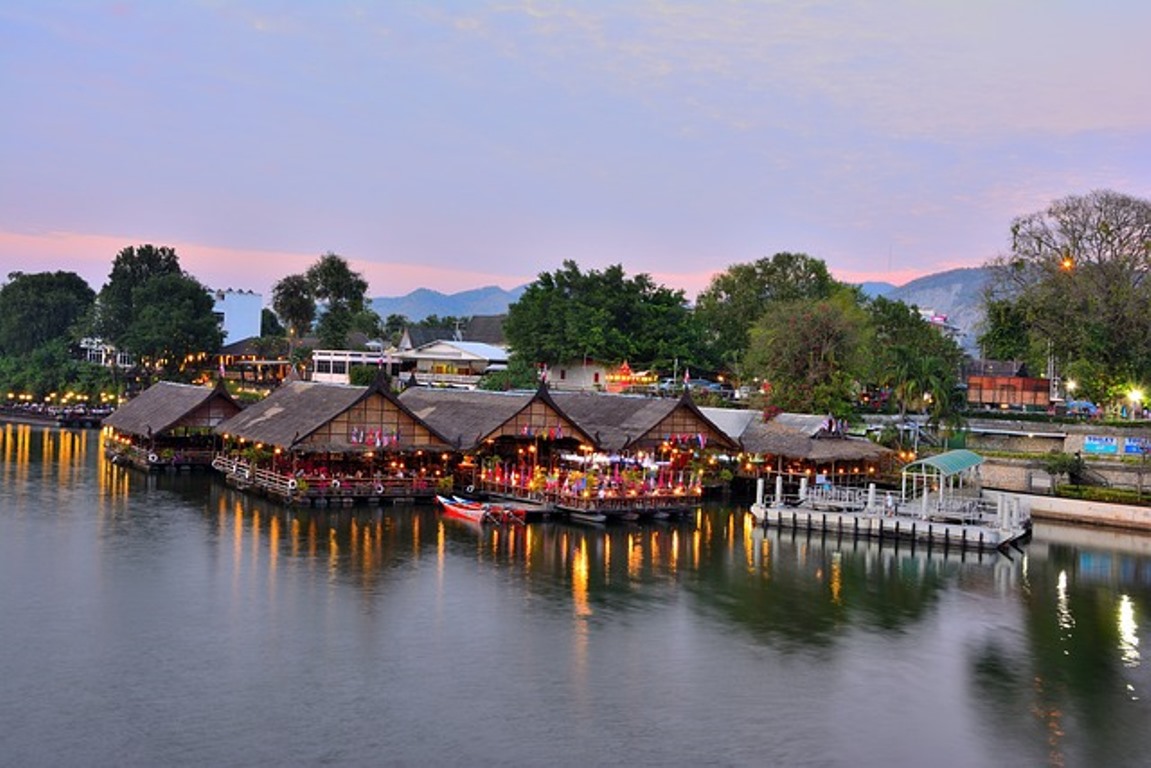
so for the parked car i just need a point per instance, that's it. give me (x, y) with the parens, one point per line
(1082, 408)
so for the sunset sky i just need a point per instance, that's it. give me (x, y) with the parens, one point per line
(455, 145)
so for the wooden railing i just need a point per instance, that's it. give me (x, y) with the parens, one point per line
(302, 487)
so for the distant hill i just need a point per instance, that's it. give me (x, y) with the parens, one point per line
(871, 290)
(957, 293)
(423, 302)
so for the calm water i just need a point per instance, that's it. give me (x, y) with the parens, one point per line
(170, 621)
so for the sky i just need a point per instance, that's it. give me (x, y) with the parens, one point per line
(458, 145)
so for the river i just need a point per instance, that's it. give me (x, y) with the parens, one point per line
(168, 620)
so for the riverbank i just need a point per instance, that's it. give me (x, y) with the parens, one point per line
(1089, 513)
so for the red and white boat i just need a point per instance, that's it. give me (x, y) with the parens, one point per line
(478, 512)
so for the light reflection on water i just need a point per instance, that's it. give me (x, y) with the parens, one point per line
(170, 620)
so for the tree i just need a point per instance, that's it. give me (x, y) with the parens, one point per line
(737, 297)
(569, 315)
(295, 305)
(1077, 271)
(333, 327)
(131, 269)
(1006, 331)
(914, 359)
(393, 329)
(270, 324)
(39, 308)
(814, 371)
(334, 283)
(173, 323)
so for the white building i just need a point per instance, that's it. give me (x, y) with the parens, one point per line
(333, 366)
(239, 313)
(453, 363)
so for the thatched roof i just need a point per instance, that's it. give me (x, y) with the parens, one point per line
(293, 410)
(297, 410)
(804, 436)
(166, 405)
(621, 422)
(470, 416)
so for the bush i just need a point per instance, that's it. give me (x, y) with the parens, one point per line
(1103, 495)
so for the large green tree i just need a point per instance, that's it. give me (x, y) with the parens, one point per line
(816, 370)
(39, 308)
(340, 294)
(334, 283)
(571, 315)
(294, 304)
(173, 323)
(1078, 273)
(916, 361)
(131, 269)
(738, 296)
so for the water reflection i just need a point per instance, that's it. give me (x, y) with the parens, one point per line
(718, 626)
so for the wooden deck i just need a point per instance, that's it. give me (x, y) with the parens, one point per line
(313, 491)
(946, 530)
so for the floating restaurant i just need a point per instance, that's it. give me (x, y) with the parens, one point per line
(318, 444)
(590, 456)
(168, 425)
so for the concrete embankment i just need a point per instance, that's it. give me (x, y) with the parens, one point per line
(1087, 512)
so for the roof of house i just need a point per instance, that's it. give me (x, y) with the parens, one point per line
(619, 422)
(167, 405)
(806, 436)
(486, 329)
(297, 409)
(468, 417)
(419, 335)
(444, 349)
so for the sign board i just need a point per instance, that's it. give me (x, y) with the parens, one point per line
(1136, 446)
(1099, 444)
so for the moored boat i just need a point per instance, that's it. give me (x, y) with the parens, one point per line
(479, 512)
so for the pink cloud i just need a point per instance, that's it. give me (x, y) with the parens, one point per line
(91, 257)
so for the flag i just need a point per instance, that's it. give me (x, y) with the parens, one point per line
(686, 376)
(221, 367)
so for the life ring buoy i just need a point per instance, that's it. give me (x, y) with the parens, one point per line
(379, 489)
(335, 485)
(292, 484)
(153, 458)
(471, 489)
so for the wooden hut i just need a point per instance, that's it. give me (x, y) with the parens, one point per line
(168, 425)
(510, 441)
(652, 454)
(317, 443)
(804, 450)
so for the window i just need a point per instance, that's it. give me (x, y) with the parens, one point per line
(339, 366)
(323, 366)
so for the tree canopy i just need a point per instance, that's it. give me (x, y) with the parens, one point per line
(919, 364)
(294, 304)
(606, 316)
(339, 291)
(173, 321)
(738, 296)
(815, 371)
(131, 269)
(36, 309)
(1076, 277)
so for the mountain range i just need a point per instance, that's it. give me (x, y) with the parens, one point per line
(956, 293)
